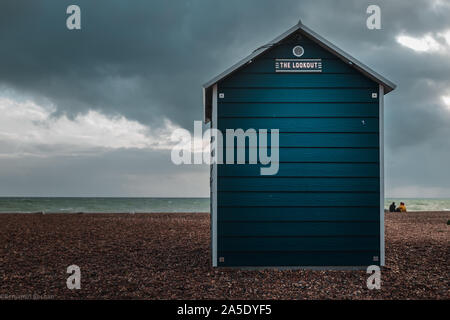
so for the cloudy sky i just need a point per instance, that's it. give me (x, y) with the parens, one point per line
(91, 112)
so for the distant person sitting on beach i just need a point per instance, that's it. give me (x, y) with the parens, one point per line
(392, 207)
(401, 207)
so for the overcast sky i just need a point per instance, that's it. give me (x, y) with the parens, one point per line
(91, 112)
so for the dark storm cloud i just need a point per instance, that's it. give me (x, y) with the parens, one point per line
(144, 59)
(148, 59)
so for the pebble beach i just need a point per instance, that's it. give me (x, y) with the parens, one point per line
(167, 256)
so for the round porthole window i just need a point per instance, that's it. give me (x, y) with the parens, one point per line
(298, 51)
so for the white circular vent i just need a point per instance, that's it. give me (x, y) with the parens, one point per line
(298, 51)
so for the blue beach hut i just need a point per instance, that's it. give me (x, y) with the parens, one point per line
(325, 206)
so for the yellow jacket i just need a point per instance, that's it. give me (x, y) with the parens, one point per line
(402, 208)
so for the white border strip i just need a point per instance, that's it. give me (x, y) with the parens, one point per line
(299, 59)
(298, 70)
(214, 185)
(381, 134)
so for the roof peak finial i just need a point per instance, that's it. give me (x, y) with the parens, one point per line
(299, 22)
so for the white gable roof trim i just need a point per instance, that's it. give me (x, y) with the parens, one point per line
(207, 87)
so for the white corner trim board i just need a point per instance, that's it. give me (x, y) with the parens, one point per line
(214, 186)
(381, 135)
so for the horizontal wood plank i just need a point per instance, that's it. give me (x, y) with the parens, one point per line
(293, 80)
(301, 124)
(315, 154)
(320, 258)
(286, 244)
(265, 183)
(298, 229)
(303, 170)
(298, 109)
(298, 214)
(342, 140)
(297, 95)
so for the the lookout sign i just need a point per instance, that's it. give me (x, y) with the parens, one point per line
(298, 65)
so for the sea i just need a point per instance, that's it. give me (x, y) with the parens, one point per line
(149, 205)
(420, 204)
(102, 205)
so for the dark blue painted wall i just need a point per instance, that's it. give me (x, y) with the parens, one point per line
(322, 208)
